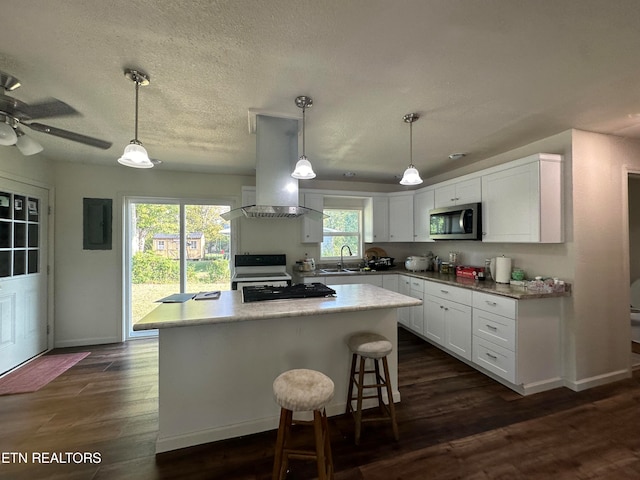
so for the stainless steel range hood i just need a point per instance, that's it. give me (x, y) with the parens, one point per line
(276, 189)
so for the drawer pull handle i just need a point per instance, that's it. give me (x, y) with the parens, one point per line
(491, 327)
(493, 304)
(441, 306)
(492, 357)
(444, 291)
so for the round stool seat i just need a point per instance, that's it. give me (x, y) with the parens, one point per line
(302, 390)
(369, 345)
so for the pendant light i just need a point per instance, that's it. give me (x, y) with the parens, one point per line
(303, 170)
(411, 175)
(135, 155)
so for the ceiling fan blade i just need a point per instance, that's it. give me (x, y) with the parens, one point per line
(47, 109)
(74, 137)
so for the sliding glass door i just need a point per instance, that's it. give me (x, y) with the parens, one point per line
(172, 246)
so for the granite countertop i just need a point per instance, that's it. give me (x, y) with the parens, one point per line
(229, 307)
(505, 290)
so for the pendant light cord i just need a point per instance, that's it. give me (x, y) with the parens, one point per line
(411, 144)
(303, 124)
(136, 117)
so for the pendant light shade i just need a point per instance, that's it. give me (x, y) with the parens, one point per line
(27, 145)
(135, 155)
(7, 134)
(411, 175)
(303, 170)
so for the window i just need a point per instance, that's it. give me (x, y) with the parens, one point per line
(192, 244)
(343, 226)
(160, 244)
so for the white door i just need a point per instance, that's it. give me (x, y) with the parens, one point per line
(23, 272)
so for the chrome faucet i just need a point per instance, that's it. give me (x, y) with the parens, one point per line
(341, 266)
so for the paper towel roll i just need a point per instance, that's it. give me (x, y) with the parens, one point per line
(503, 270)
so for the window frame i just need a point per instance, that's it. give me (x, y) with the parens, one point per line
(359, 234)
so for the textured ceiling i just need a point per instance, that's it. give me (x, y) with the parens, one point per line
(485, 76)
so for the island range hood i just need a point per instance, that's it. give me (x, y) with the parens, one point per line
(276, 189)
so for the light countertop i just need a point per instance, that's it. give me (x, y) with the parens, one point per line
(486, 286)
(229, 307)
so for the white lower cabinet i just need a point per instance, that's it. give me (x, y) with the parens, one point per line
(417, 312)
(448, 318)
(351, 279)
(404, 287)
(518, 340)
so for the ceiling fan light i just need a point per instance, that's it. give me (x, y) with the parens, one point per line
(303, 170)
(135, 155)
(27, 145)
(7, 134)
(411, 176)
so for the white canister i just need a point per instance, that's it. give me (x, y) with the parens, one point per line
(503, 270)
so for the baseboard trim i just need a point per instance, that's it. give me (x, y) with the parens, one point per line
(597, 380)
(83, 342)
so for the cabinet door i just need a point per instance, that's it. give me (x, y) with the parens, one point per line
(457, 320)
(376, 224)
(469, 191)
(417, 313)
(404, 287)
(434, 319)
(466, 191)
(510, 206)
(348, 279)
(423, 202)
(390, 282)
(445, 196)
(401, 218)
(312, 229)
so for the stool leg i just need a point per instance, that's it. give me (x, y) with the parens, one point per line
(320, 445)
(359, 402)
(379, 385)
(327, 445)
(283, 430)
(392, 409)
(349, 407)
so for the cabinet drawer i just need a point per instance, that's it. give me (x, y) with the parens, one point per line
(454, 294)
(495, 328)
(495, 304)
(416, 284)
(494, 358)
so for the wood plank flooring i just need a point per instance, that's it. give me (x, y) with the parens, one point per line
(454, 422)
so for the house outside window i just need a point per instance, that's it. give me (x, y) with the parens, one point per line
(160, 245)
(343, 226)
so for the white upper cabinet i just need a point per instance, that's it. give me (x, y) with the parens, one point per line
(401, 218)
(376, 219)
(459, 193)
(522, 201)
(312, 229)
(423, 202)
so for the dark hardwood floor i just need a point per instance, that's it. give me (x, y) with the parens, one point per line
(454, 423)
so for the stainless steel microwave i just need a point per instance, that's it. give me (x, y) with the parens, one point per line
(460, 222)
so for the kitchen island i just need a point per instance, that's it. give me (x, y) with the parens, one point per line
(218, 358)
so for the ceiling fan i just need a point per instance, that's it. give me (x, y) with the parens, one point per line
(14, 114)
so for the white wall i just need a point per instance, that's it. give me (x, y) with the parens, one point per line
(88, 306)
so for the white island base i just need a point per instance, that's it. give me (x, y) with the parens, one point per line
(216, 380)
(218, 359)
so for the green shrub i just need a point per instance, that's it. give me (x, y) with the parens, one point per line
(147, 267)
(218, 270)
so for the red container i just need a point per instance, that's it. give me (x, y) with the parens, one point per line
(468, 272)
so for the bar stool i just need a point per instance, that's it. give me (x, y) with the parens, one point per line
(303, 390)
(373, 346)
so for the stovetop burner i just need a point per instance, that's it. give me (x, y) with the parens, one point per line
(267, 292)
